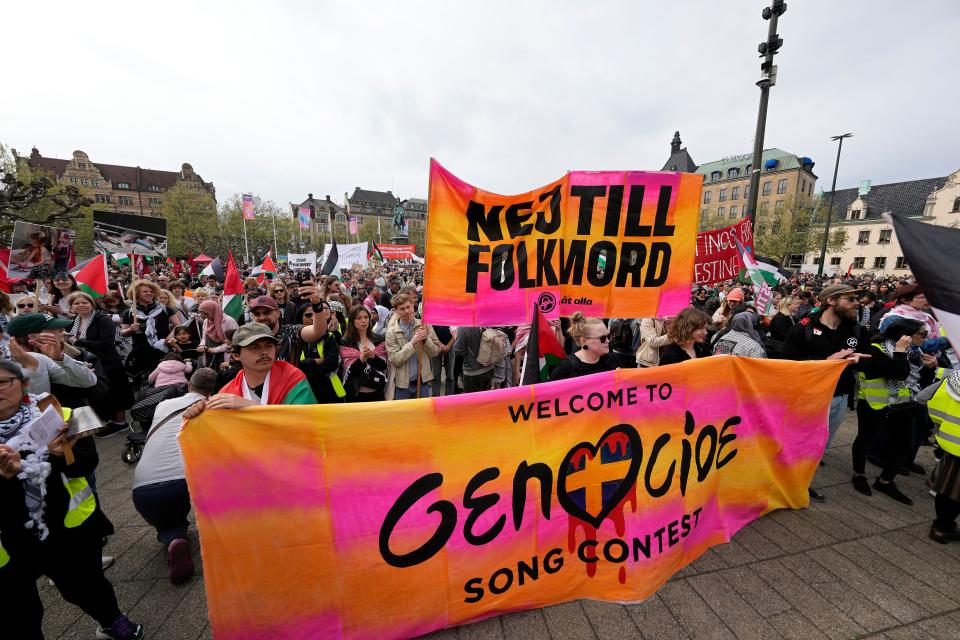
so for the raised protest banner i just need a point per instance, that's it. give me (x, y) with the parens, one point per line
(347, 255)
(718, 258)
(302, 261)
(129, 233)
(612, 244)
(445, 510)
(397, 251)
(34, 244)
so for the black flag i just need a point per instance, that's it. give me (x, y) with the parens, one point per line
(331, 262)
(931, 252)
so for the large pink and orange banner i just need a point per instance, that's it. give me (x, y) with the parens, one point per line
(612, 244)
(390, 520)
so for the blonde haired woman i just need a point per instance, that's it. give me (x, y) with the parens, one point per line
(781, 323)
(147, 323)
(591, 340)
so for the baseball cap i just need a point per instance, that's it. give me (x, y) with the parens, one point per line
(836, 290)
(250, 333)
(735, 294)
(27, 323)
(264, 301)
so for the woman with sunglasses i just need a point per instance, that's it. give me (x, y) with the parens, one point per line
(591, 341)
(26, 304)
(320, 360)
(278, 291)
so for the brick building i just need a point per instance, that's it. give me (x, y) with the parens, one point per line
(123, 189)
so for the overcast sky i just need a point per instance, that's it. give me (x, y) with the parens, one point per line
(285, 98)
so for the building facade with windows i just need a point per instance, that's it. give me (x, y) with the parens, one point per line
(871, 245)
(119, 188)
(726, 185)
(726, 182)
(321, 212)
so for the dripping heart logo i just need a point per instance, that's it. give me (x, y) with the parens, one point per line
(594, 479)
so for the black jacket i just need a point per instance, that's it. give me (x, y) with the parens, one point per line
(20, 542)
(353, 374)
(318, 373)
(101, 340)
(812, 340)
(673, 353)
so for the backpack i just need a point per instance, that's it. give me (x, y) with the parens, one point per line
(494, 346)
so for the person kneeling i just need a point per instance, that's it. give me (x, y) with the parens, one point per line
(160, 491)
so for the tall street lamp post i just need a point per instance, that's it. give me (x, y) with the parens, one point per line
(768, 78)
(833, 192)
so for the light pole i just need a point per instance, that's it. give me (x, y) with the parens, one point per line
(833, 192)
(768, 78)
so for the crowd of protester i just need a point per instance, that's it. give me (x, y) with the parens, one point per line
(161, 340)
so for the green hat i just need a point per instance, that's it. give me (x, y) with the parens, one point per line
(27, 323)
(250, 333)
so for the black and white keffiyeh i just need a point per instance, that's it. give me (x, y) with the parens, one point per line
(34, 461)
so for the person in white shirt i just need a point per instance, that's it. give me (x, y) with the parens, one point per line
(160, 491)
(40, 353)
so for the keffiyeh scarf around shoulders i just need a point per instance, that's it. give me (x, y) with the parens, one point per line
(36, 467)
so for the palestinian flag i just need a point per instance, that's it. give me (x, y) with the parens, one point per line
(215, 269)
(760, 276)
(544, 351)
(233, 291)
(378, 253)
(931, 252)
(771, 271)
(266, 267)
(288, 385)
(122, 259)
(92, 276)
(330, 264)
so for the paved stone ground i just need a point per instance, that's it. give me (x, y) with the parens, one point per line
(854, 567)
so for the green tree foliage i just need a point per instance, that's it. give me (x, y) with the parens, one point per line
(191, 221)
(797, 228)
(259, 230)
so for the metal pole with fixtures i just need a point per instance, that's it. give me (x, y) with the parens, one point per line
(833, 192)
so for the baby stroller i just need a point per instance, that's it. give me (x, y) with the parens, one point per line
(142, 413)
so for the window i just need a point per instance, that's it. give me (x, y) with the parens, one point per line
(735, 193)
(855, 214)
(153, 188)
(125, 200)
(766, 187)
(720, 212)
(816, 259)
(102, 199)
(95, 183)
(778, 206)
(74, 180)
(733, 211)
(859, 262)
(716, 175)
(341, 217)
(803, 186)
(763, 206)
(901, 263)
(707, 196)
(879, 263)
(723, 195)
(85, 182)
(863, 238)
(782, 185)
(810, 189)
(885, 235)
(834, 262)
(746, 192)
(154, 202)
(123, 185)
(704, 213)
(81, 165)
(746, 170)
(956, 206)
(733, 173)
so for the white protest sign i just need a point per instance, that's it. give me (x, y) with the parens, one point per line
(45, 428)
(348, 255)
(302, 261)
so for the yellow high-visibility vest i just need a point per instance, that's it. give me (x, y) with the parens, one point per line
(334, 378)
(82, 501)
(944, 410)
(875, 391)
(4, 556)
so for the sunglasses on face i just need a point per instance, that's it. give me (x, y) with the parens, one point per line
(24, 306)
(603, 339)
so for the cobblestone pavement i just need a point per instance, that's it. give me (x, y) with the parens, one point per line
(854, 567)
